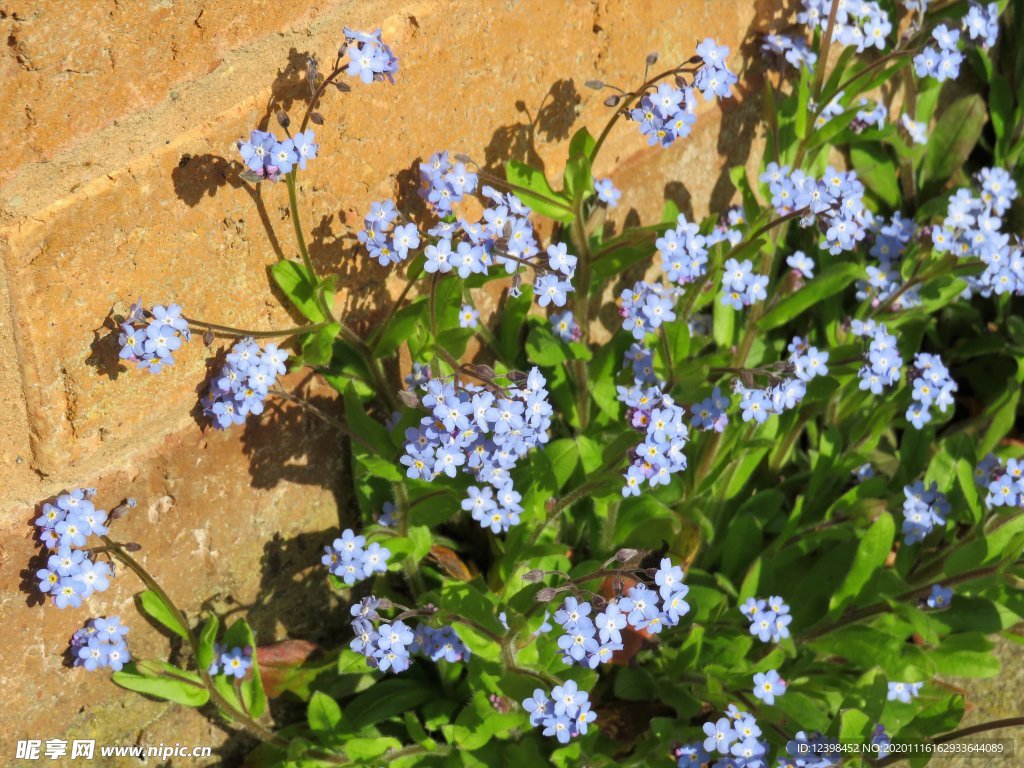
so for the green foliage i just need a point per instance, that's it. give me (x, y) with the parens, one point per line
(815, 505)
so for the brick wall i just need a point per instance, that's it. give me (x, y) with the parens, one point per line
(113, 186)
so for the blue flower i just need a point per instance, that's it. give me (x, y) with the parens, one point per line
(903, 692)
(720, 736)
(923, 510)
(801, 263)
(283, 156)
(940, 597)
(539, 706)
(768, 685)
(370, 59)
(305, 148)
(236, 662)
(606, 192)
(982, 23)
(256, 151)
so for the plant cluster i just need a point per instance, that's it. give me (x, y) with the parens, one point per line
(564, 523)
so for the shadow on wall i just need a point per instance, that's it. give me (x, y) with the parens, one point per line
(332, 252)
(554, 120)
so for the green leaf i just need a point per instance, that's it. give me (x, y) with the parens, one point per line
(877, 170)
(318, 347)
(160, 679)
(400, 327)
(579, 182)
(872, 551)
(322, 712)
(620, 258)
(581, 143)
(300, 287)
(544, 348)
(541, 197)
(207, 639)
(454, 340)
(953, 139)
(381, 468)
(723, 318)
(564, 456)
(361, 424)
(966, 655)
(387, 698)
(154, 606)
(1000, 105)
(832, 281)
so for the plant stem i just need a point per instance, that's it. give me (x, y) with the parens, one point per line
(261, 732)
(826, 44)
(581, 304)
(227, 330)
(945, 738)
(300, 239)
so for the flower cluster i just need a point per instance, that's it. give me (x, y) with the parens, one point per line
(502, 237)
(884, 364)
(740, 286)
(794, 50)
(932, 386)
(944, 62)
(100, 644)
(807, 363)
(268, 158)
(645, 306)
(684, 253)
(769, 619)
(663, 423)
(71, 575)
(369, 57)
(973, 229)
(889, 241)
(736, 735)
(835, 202)
(440, 643)
(713, 80)
(982, 23)
(243, 382)
(148, 337)
(351, 560)
(486, 431)
(593, 641)
(923, 510)
(385, 647)
(443, 184)
(1005, 484)
(668, 113)
(565, 715)
(710, 413)
(385, 242)
(863, 23)
(903, 692)
(235, 662)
